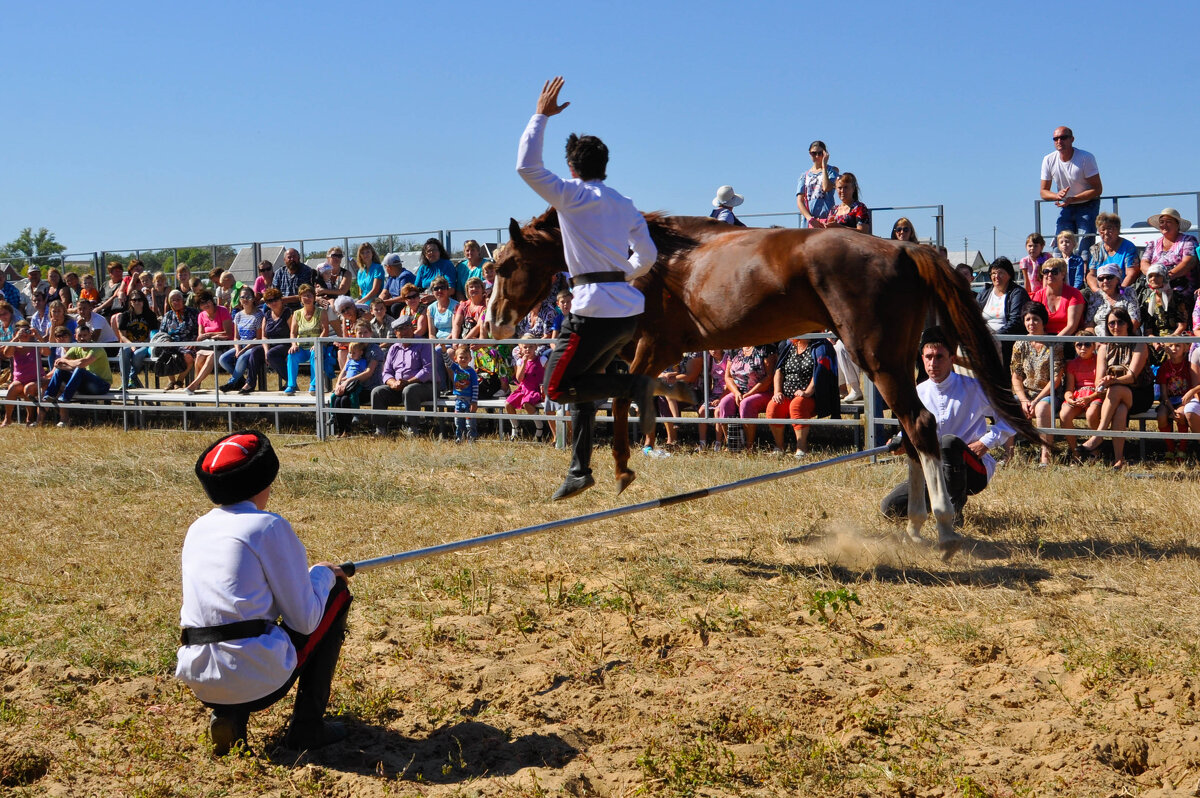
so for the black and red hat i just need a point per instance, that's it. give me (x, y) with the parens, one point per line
(237, 467)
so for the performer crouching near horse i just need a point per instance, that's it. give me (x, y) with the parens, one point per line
(599, 227)
(244, 568)
(961, 408)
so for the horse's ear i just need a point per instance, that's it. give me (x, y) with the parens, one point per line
(514, 232)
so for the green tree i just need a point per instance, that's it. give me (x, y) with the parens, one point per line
(39, 247)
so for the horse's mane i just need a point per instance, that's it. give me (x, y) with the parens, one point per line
(668, 237)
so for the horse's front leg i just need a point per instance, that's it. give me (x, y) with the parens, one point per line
(625, 476)
(949, 541)
(917, 511)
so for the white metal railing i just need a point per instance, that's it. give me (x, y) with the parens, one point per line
(121, 400)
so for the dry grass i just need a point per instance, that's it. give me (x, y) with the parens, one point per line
(710, 648)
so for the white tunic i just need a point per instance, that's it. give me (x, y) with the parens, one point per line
(241, 564)
(962, 409)
(599, 228)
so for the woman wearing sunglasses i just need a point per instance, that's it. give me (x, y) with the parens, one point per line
(1064, 304)
(1110, 296)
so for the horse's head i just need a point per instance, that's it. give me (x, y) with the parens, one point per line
(525, 269)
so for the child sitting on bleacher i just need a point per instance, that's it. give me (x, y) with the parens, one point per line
(465, 386)
(528, 393)
(1080, 396)
(1176, 383)
(347, 391)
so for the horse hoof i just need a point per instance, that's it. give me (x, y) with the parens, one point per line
(949, 548)
(624, 480)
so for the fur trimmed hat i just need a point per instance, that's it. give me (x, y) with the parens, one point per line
(934, 335)
(237, 467)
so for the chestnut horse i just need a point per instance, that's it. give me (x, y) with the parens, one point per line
(716, 286)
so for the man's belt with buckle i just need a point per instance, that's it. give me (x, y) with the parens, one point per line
(597, 277)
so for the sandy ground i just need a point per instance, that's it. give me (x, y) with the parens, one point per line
(704, 651)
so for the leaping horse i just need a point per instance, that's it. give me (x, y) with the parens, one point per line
(716, 286)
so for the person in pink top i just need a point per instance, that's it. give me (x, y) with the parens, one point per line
(26, 371)
(215, 324)
(266, 273)
(528, 393)
(1064, 304)
(1031, 264)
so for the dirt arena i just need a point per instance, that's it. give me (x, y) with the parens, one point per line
(768, 641)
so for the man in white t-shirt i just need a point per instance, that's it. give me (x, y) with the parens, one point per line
(1076, 186)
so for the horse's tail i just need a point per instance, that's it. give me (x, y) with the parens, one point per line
(957, 306)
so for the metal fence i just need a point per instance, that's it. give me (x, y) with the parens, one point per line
(1115, 199)
(202, 258)
(867, 419)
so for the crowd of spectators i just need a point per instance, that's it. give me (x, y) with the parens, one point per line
(1096, 286)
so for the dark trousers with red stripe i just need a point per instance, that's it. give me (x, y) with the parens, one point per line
(317, 656)
(579, 372)
(965, 476)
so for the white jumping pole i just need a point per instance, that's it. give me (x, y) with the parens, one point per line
(445, 548)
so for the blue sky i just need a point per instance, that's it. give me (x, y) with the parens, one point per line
(159, 124)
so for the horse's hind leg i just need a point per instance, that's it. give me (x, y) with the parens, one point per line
(620, 414)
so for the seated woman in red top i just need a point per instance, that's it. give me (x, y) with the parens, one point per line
(1064, 305)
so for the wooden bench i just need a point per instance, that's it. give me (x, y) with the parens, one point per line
(270, 401)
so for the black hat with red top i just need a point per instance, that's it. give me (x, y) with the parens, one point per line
(237, 467)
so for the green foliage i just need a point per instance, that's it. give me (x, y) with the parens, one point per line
(31, 247)
(969, 788)
(828, 604)
(695, 767)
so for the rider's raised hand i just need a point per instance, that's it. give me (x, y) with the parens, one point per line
(548, 100)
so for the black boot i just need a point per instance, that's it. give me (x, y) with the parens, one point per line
(308, 728)
(226, 730)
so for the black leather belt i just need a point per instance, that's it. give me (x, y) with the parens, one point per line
(199, 635)
(597, 277)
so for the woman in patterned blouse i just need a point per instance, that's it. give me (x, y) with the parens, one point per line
(851, 212)
(1031, 369)
(795, 392)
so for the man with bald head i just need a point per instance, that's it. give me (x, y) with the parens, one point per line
(294, 274)
(1076, 187)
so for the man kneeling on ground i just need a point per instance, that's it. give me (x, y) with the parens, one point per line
(255, 618)
(961, 408)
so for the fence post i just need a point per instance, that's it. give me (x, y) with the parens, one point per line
(868, 392)
(317, 376)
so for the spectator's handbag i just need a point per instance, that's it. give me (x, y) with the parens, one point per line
(1117, 371)
(1085, 396)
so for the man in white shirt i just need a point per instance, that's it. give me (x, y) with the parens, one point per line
(961, 408)
(244, 568)
(100, 326)
(599, 228)
(34, 273)
(1077, 187)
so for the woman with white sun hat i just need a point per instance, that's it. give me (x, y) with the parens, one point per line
(1175, 252)
(725, 201)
